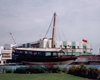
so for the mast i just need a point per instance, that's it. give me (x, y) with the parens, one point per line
(53, 29)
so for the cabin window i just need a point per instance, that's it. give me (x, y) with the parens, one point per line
(61, 53)
(73, 47)
(41, 53)
(25, 52)
(35, 53)
(28, 44)
(48, 53)
(17, 51)
(23, 45)
(84, 47)
(20, 51)
(55, 54)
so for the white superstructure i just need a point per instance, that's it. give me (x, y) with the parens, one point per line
(70, 47)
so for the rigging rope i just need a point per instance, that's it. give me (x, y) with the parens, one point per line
(62, 30)
(49, 27)
(56, 30)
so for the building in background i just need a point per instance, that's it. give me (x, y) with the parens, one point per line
(5, 53)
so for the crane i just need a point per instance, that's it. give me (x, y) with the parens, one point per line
(12, 37)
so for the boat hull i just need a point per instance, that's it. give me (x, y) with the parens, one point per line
(61, 60)
(48, 63)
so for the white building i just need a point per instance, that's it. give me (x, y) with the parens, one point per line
(5, 53)
(70, 47)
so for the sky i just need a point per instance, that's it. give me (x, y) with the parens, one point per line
(29, 20)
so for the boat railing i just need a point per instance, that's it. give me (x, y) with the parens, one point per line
(61, 56)
(66, 56)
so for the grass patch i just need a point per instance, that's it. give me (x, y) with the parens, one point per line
(43, 76)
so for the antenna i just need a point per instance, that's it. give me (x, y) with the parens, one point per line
(12, 37)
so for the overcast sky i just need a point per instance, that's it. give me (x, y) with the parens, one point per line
(28, 20)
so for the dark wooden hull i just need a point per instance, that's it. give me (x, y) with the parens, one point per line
(46, 58)
(48, 63)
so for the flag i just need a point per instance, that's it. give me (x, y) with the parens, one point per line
(84, 40)
(10, 33)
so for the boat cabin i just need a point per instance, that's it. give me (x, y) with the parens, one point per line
(39, 52)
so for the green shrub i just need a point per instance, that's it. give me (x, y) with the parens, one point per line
(77, 71)
(56, 69)
(93, 72)
(29, 70)
(9, 70)
(20, 70)
(72, 70)
(83, 70)
(64, 70)
(39, 70)
(52, 69)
